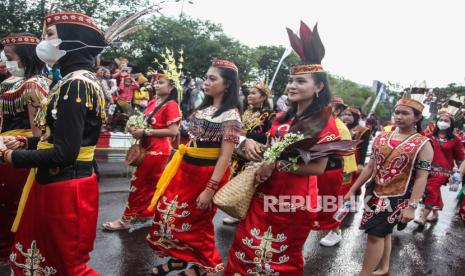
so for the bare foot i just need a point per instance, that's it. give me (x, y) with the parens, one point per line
(116, 225)
(381, 272)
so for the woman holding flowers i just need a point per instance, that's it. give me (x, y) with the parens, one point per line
(269, 241)
(160, 123)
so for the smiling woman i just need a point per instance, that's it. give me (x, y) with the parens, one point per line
(263, 231)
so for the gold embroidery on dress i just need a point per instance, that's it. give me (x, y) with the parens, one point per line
(264, 252)
(251, 120)
(328, 138)
(167, 224)
(34, 258)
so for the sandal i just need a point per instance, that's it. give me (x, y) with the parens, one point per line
(161, 268)
(197, 271)
(230, 221)
(116, 225)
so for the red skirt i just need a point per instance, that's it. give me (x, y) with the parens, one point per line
(57, 230)
(143, 185)
(180, 229)
(433, 198)
(329, 185)
(269, 241)
(11, 185)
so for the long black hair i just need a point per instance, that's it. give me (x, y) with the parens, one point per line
(355, 122)
(27, 54)
(173, 96)
(418, 124)
(450, 131)
(318, 103)
(230, 98)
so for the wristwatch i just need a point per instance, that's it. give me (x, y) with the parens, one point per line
(413, 205)
(146, 132)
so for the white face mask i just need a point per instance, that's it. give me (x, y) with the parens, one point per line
(13, 68)
(48, 52)
(3, 57)
(443, 125)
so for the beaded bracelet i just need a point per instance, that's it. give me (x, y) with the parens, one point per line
(213, 184)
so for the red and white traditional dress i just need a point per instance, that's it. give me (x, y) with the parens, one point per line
(394, 176)
(180, 229)
(15, 96)
(445, 153)
(270, 242)
(57, 229)
(158, 149)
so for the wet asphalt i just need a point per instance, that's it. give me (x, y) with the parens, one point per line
(437, 249)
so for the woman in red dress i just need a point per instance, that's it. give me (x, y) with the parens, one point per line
(162, 116)
(57, 215)
(448, 152)
(183, 222)
(399, 167)
(20, 97)
(269, 241)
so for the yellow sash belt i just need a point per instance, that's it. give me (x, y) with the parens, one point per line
(85, 154)
(17, 132)
(173, 166)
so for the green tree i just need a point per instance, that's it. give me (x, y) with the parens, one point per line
(267, 58)
(351, 92)
(200, 40)
(27, 16)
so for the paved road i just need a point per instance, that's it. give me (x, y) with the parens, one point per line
(436, 250)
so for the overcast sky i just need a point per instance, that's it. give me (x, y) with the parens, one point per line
(403, 41)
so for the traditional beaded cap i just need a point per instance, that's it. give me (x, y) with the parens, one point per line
(22, 39)
(411, 103)
(70, 18)
(222, 63)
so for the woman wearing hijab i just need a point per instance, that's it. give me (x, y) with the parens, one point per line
(57, 215)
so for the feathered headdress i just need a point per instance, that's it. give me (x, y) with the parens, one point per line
(119, 28)
(170, 70)
(454, 106)
(309, 48)
(415, 96)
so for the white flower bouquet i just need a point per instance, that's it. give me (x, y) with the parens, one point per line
(137, 120)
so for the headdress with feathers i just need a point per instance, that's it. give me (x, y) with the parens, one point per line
(119, 29)
(309, 48)
(453, 108)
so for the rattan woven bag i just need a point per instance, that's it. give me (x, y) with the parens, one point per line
(234, 197)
